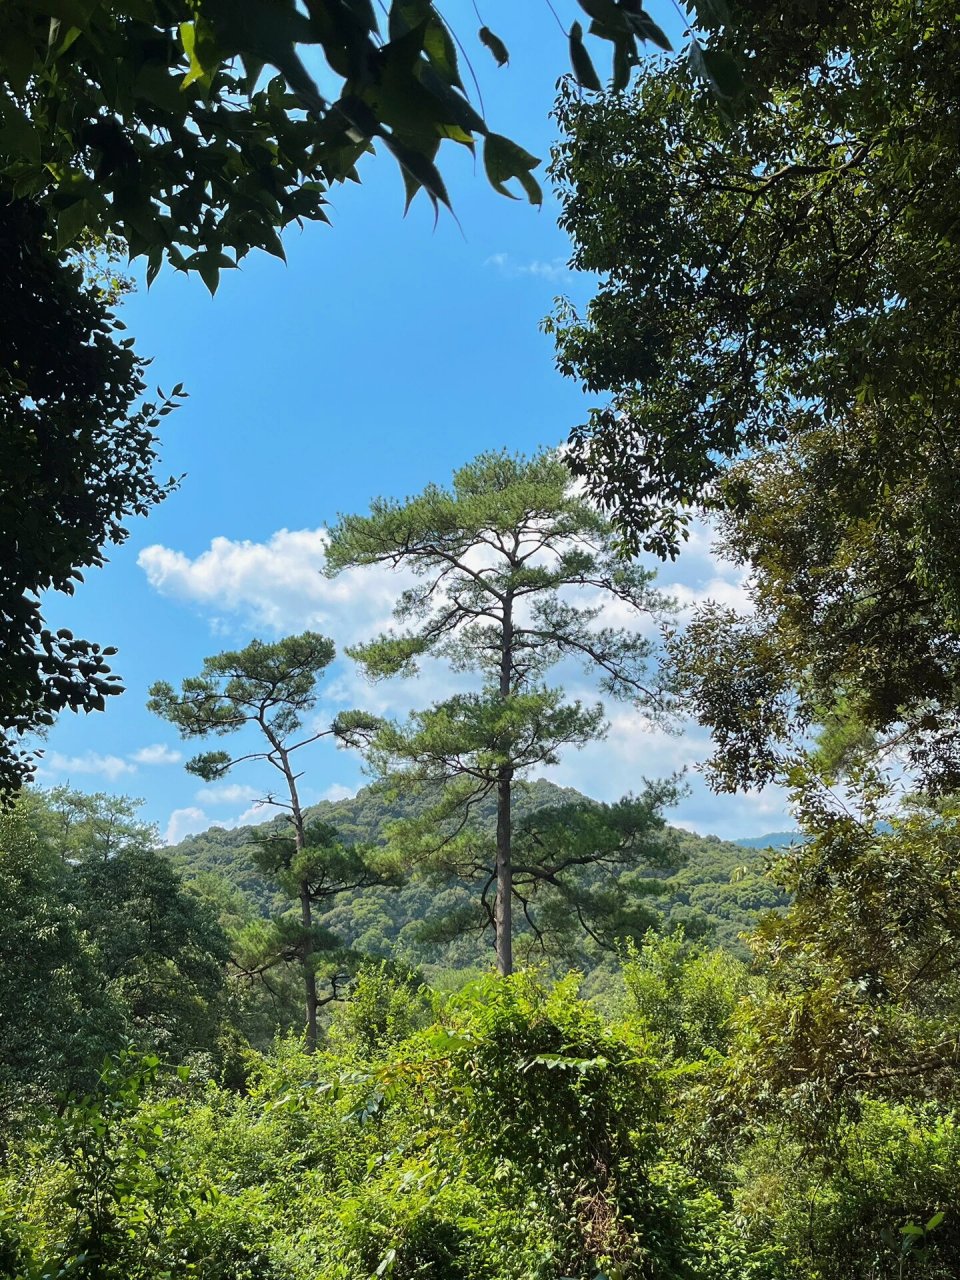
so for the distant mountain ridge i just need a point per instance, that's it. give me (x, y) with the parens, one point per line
(716, 888)
(773, 840)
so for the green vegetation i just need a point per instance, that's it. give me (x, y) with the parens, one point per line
(497, 557)
(77, 450)
(282, 1053)
(710, 888)
(101, 943)
(272, 687)
(219, 136)
(510, 1131)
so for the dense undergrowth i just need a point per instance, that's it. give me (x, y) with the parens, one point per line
(511, 1131)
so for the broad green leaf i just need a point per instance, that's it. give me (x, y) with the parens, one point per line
(18, 137)
(406, 14)
(66, 37)
(18, 57)
(198, 44)
(156, 83)
(418, 171)
(386, 1263)
(71, 221)
(439, 47)
(583, 68)
(503, 160)
(712, 13)
(623, 63)
(719, 69)
(647, 29)
(208, 264)
(456, 106)
(607, 12)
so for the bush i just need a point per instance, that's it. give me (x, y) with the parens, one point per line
(882, 1203)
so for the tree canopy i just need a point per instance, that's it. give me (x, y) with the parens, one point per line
(770, 267)
(498, 558)
(197, 131)
(775, 325)
(101, 945)
(272, 688)
(77, 451)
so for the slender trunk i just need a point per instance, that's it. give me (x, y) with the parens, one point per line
(503, 911)
(306, 908)
(309, 977)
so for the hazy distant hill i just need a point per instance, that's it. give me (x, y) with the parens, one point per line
(716, 887)
(775, 840)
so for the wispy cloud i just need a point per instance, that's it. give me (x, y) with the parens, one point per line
(192, 819)
(234, 793)
(337, 791)
(90, 762)
(185, 822)
(110, 767)
(156, 754)
(554, 270)
(277, 585)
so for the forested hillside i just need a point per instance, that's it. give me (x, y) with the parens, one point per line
(468, 1025)
(712, 888)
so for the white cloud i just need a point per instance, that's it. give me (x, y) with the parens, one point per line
(634, 749)
(337, 791)
(700, 574)
(235, 793)
(157, 754)
(185, 822)
(189, 821)
(278, 585)
(555, 270)
(257, 812)
(111, 767)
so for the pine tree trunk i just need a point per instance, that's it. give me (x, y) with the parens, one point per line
(503, 911)
(309, 977)
(306, 905)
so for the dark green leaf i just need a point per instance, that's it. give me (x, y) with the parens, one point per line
(18, 137)
(719, 69)
(18, 56)
(208, 263)
(712, 13)
(583, 68)
(623, 62)
(503, 160)
(495, 45)
(439, 47)
(200, 47)
(647, 29)
(607, 12)
(418, 171)
(407, 14)
(71, 221)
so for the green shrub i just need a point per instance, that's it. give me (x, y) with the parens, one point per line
(883, 1203)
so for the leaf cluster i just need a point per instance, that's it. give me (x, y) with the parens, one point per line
(77, 453)
(767, 267)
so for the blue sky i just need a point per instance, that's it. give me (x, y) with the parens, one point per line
(386, 352)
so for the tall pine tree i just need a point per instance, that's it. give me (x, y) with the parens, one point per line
(513, 569)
